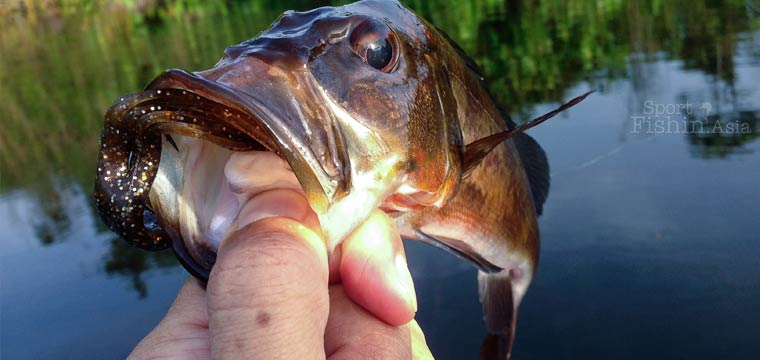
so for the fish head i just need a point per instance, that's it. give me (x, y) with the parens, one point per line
(354, 98)
(367, 93)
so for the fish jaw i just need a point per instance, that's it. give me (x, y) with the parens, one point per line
(369, 189)
(275, 119)
(348, 142)
(366, 171)
(375, 173)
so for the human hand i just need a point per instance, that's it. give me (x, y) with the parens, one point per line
(272, 294)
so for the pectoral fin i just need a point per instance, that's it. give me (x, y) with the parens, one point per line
(477, 150)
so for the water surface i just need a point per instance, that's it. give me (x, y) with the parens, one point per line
(649, 235)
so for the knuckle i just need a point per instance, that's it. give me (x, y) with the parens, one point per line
(381, 345)
(263, 264)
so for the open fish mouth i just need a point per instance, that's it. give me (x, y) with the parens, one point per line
(180, 159)
(189, 152)
(201, 189)
(281, 117)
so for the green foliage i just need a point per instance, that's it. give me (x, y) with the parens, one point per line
(62, 63)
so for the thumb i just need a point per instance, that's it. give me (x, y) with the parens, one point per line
(267, 293)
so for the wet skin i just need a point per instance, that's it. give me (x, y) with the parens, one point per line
(371, 107)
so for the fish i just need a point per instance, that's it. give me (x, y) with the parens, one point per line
(359, 107)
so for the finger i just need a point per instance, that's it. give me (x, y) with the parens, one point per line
(334, 265)
(278, 202)
(374, 272)
(267, 293)
(183, 332)
(420, 349)
(354, 333)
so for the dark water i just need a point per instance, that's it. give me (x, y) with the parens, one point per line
(650, 245)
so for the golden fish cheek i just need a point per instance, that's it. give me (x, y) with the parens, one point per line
(434, 139)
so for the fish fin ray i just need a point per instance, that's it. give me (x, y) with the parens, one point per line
(458, 249)
(499, 313)
(477, 150)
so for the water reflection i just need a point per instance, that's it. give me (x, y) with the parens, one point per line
(721, 135)
(125, 260)
(61, 67)
(56, 217)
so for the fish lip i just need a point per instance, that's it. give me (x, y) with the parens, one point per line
(275, 135)
(327, 129)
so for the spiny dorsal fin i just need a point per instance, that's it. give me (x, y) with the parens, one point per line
(477, 150)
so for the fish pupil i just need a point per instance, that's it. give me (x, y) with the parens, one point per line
(379, 54)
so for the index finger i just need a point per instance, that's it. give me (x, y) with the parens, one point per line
(374, 271)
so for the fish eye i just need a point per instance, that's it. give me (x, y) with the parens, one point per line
(376, 44)
(379, 54)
